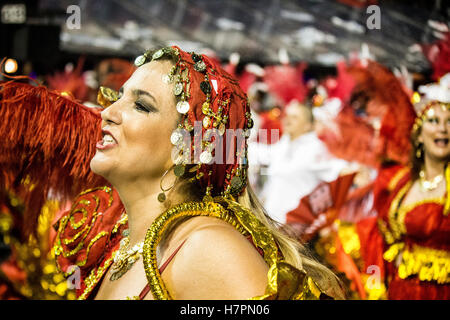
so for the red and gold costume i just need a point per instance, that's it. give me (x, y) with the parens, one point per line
(63, 135)
(391, 251)
(89, 237)
(409, 243)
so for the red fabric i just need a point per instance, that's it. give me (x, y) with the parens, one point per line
(371, 239)
(109, 210)
(376, 96)
(330, 198)
(426, 226)
(414, 289)
(227, 89)
(372, 245)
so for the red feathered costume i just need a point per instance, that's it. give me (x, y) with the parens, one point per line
(375, 121)
(52, 143)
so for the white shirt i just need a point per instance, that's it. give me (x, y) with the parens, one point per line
(295, 168)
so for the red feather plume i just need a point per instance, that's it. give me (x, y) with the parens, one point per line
(47, 143)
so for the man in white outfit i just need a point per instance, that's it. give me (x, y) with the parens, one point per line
(296, 164)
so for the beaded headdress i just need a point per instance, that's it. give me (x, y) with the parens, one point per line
(434, 94)
(210, 142)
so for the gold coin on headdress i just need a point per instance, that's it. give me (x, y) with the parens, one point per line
(161, 197)
(200, 66)
(236, 182)
(166, 79)
(187, 125)
(179, 170)
(206, 122)
(107, 96)
(221, 129)
(205, 108)
(158, 54)
(206, 157)
(176, 137)
(178, 89)
(139, 61)
(183, 107)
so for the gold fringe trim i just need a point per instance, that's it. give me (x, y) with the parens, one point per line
(447, 182)
(427, 263)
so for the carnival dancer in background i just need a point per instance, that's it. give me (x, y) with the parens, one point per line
(371, 129)
(409, 240)
(296, 164)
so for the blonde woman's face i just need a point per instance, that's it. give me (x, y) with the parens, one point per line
(435, 133)
(137, 127)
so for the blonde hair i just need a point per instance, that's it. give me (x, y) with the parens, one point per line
(292, 250)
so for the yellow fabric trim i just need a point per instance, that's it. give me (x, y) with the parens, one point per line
(397, 177)
(284, 280)
(390, 254)
(447, 182)
(427, 263)
(95, 275)
(393, 211)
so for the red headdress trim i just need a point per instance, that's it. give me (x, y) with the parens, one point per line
(215, 108)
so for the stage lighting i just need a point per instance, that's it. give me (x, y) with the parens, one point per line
(10, 65)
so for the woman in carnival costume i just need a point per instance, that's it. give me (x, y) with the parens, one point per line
(409, 238)
(173, 146)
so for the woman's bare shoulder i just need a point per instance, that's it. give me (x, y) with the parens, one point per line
(215, 262)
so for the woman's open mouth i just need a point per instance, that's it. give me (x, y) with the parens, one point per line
(107, 142)
(442, 142)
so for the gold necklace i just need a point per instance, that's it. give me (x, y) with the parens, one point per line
(427, 185)
(125, 258)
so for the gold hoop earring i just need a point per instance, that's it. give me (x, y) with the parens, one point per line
(162, 195)
(419, 150)
(418, 153)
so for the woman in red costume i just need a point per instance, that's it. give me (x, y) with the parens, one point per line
(401, 241)
(409, 240)
(178, 205)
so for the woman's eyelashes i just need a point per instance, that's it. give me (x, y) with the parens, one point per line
(144, 107)
(438, 121)
(432, 120)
